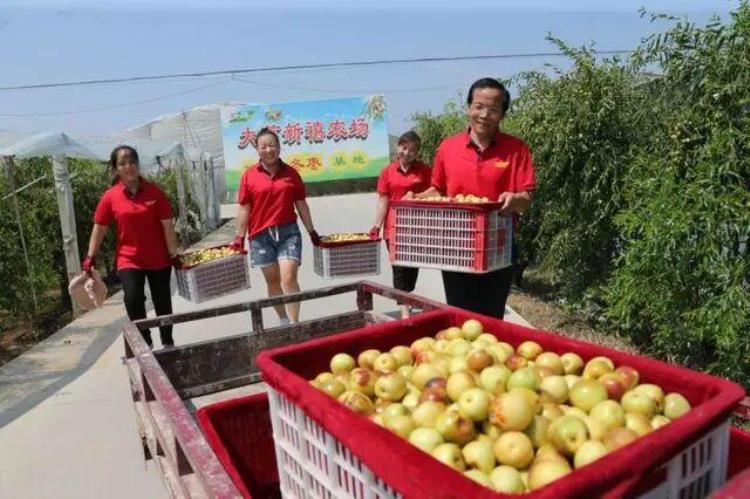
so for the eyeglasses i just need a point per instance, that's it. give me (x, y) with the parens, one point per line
(478, 107)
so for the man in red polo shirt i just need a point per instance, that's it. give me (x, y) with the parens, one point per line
(485, 162)
(405, 174)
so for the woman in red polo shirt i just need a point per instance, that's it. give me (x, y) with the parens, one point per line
(406, 174)
(146, 242)
(269, 193)
(485, 162)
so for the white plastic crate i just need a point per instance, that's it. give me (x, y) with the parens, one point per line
(698, 470)
(347, 260)
(312, 463)
(213, 279)
(450, 237)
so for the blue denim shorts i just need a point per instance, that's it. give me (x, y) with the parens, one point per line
(281, 242)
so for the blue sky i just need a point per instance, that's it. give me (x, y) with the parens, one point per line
(622, 5)
(54, 40)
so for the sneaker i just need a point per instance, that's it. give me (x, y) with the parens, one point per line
(283, 321)
(167, 346)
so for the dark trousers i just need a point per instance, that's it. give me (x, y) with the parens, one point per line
(133, 287)
(404, 278)
(482, 293)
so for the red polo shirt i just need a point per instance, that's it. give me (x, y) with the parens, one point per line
(505, 166)
(271, 199)
(140, 236)
(395, 183)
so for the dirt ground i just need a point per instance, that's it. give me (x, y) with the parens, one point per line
(542, 313)
(19, 333)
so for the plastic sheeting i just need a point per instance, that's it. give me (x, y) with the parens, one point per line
(30, 145)
(199, 130)
(194, 134)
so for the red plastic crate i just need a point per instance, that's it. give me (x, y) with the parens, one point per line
(739, 453)
(449, 236)
(413, 473)
(239, 432)
(221, 421)
(738, 471)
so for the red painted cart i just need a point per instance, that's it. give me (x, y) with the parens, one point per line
(168, 385)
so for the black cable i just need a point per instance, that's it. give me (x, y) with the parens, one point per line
(295, 67)
(115, 106)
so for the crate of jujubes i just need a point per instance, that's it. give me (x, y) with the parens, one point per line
(209, 273)
(346, 255)
(463, 234)
(453, 404)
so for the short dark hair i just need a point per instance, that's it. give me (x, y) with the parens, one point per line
(267, 131)
(410, 136)
(489, 83)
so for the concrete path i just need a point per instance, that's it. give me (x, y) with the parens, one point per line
(67, 426)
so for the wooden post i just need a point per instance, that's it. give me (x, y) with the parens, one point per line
(208, 183)
(9, 167)
(203, 193)
(64, 194)
(213, 202)
(178, 165)
(199, 193)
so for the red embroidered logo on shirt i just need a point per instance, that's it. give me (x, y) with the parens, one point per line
(502, 164)
(151, 202)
